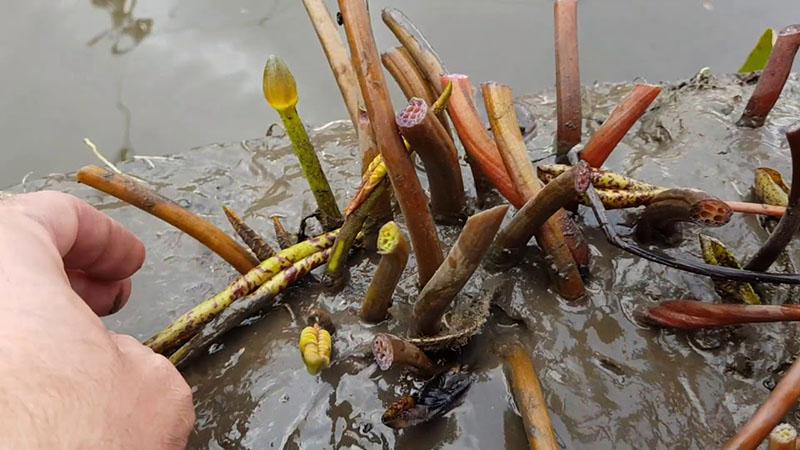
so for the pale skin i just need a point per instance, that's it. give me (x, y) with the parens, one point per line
(66, 381)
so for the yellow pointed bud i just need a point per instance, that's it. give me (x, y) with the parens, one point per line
(315, 346)
(280, 89)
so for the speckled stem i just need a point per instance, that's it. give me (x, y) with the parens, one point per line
(601, 179)
(670, 207)
(137, 194)
(257, 244)
(772, 79)
(394, 250)
(391, 351)
(185, 326)
(247, 307)
(284, 238)
(568, 78)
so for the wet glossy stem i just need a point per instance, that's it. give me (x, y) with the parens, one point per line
(312, 170)
(353, 224)
(568, 79)
(408, 191)
(185, 326)
(284, 238)
(694, 315)
(253, 304)
(391, 351)
(137, 194)
(336, 52)
(772, 79)
(528, 396)
(439, 155)
(781, 400)
(253, 240)
(418, 47)
(565, 190)
(783, 437)
(790, 221)
(606, 138)
(462, 260)
(394, 250)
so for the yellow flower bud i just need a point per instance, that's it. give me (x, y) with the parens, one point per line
(280, 89)
(315, 346)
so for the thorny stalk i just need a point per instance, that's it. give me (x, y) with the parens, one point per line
(394, 250)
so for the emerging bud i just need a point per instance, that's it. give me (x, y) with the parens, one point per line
(315, 346)
(280, 89)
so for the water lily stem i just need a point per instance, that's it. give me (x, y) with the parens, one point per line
(391, 351)
(694, 315)
(568, 79)
(394, 251)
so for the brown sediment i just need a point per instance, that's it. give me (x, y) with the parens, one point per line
(668, 208)
(528, 396)
(249, 306)
(439, 155)
(391, 351)
(790, 221)
(783, 437)
(451, 276)
(394, 250)
(336, 53)
(284, 238)
(693, 315)
(566, 189)
(568, 79)
(253, 240)
(781, 400)
(717, 254)
(406, 185)
(137, 194)
(622, 118)
(772, 79)
(408, 76)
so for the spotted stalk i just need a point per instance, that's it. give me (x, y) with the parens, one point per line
(257, 244)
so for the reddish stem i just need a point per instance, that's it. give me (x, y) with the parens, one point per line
(693, 315)
(568, 79)
(757, 208)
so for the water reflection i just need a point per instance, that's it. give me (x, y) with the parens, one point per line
(126, 31)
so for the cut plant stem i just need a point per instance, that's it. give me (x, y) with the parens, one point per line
(430, 141)
(336, 53)
(257, 244)
(394, 250)
(566, 189)
(528, 396)
(137, 194)
(391, 351)
(673, 206)
(280, 92)
(783, 437)
(185, 326)
(408, 191)
(451, 276)
(568, 78)
(418, 47)
(772, 79)
(790, 221)
(606, 138)
(781, 400)
(284, 238)
(694, 315)
(249, 306)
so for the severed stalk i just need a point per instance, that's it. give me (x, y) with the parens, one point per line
(391, 351)
(673, 206)
(137, 194)
(406, 185)
(528, 396)
(430, 141)
(280, 91)
(770, 83)
(185, 326)
(257, 244)
(783, 437)
(568, 78)
(790, 221)
(781, 400)
(451, 276)
(622, 118)
(336, 53)
(284, 238)
(566, 189)
(249, 306)
(394, 250)
(694, 315)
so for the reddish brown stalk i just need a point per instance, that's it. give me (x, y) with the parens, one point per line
(405, 72)
(462, 260)
(391, 351)
(693, 315)
(606, 138)
(783, 437)
(257, 244)
(284, 238)
(568, 78)
(137, 194)
(430, 141)
(394, 251)
(757, 208)
(416, 44)
(772, 79)
(409, 193)
(781, 400)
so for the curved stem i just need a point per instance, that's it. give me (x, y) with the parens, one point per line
(416, 44)
(405, 72)
(391, 351)
(694, 315)
(568, 78)
(137, 194)
(257, 244)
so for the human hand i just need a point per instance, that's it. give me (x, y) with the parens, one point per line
(66, 381)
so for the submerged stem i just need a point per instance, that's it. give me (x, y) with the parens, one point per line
(394, 250)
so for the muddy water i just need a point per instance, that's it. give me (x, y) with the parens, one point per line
(154, 77)
(610, 382)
